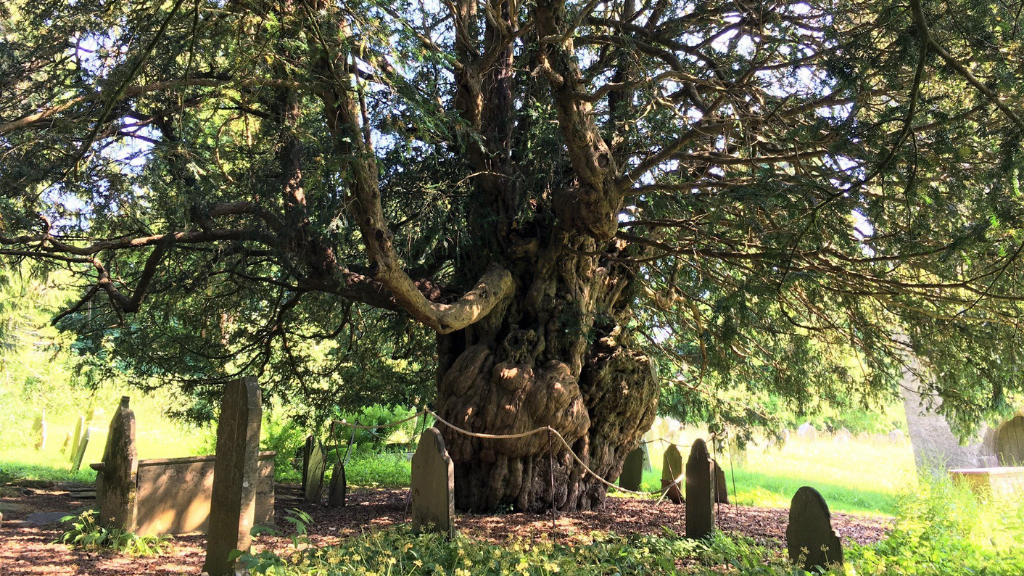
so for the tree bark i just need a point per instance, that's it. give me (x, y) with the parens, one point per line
(554, 360)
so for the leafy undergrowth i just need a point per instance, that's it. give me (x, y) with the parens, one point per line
(86, 532)
(941, 529)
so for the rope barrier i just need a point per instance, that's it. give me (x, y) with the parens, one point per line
(484, 436)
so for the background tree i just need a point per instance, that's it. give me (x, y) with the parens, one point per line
(572, 197)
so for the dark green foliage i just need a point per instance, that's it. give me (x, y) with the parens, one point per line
(806, 192)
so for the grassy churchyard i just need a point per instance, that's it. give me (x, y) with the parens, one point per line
(932, 527)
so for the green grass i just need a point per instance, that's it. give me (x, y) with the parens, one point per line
(156, 437)
(860, 477)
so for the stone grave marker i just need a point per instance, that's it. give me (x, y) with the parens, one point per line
(39, 429)
(810, 535)
(80, 428)
(313, 466)
(118, 488)
(632, 470)
(433, 485)
(700, 496)
(94, 414)
(721, 489)
(79, 453)
(338, 488)
(235, 476)
(1009, 442)
(67, 443)
(647, 455)
(671, 470)
(807, 432)
(896, 437)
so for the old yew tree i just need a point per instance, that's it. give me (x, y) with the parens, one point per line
(527, 213)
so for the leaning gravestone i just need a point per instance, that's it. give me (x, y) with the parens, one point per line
(79, 453)
(700, 497)
(235, 476)
(671, 470)
(80, 429)
(809, 537)
(632, 470)
(313, 467)
(647, 455)
(117, 496)
(721, 489)
(39, 429)
(433, 486)
(338, 488)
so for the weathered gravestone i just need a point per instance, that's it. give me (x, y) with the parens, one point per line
(39, 429)
(433, 486)
(338, 488)
(235, 476)
(79, 453)
(116, 483)
(807, 432)
(809, 537)
(647, 455)
(1009, 442)
(721, 489)
(67, 443)
(80, 429)
(632, 470)
(313, 467)
(671, 471)
(700, 496)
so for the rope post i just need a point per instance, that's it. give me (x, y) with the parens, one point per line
(551, 475)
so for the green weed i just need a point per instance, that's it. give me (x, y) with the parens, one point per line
(85, 532)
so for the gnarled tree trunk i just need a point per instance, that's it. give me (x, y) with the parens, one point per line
(554, 358)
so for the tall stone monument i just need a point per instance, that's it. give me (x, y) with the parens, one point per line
(433, 485)
(671, 470)
(117, 487)
(700, 495)
(810, 539)
(233, 505)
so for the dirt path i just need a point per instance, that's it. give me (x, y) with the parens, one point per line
(29, 550)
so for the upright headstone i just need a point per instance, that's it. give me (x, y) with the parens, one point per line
(433, 486)
(632, 470)
(94, 415)
(80, 429)
(700, 496)
(810, 539)
(1009, 442)
(117, 498)
(313, 466)
(338, 487)
(807, 432)
(67, 443)
(233, 500)
(79, 454)
(721, 489)
(39, 429)
(647, 455)
(896, 437)
(671, 471)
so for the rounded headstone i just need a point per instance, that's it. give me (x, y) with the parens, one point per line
(810, 539)
(632, 470)
(433, 485)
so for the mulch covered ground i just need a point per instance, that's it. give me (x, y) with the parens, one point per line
(30, 549)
